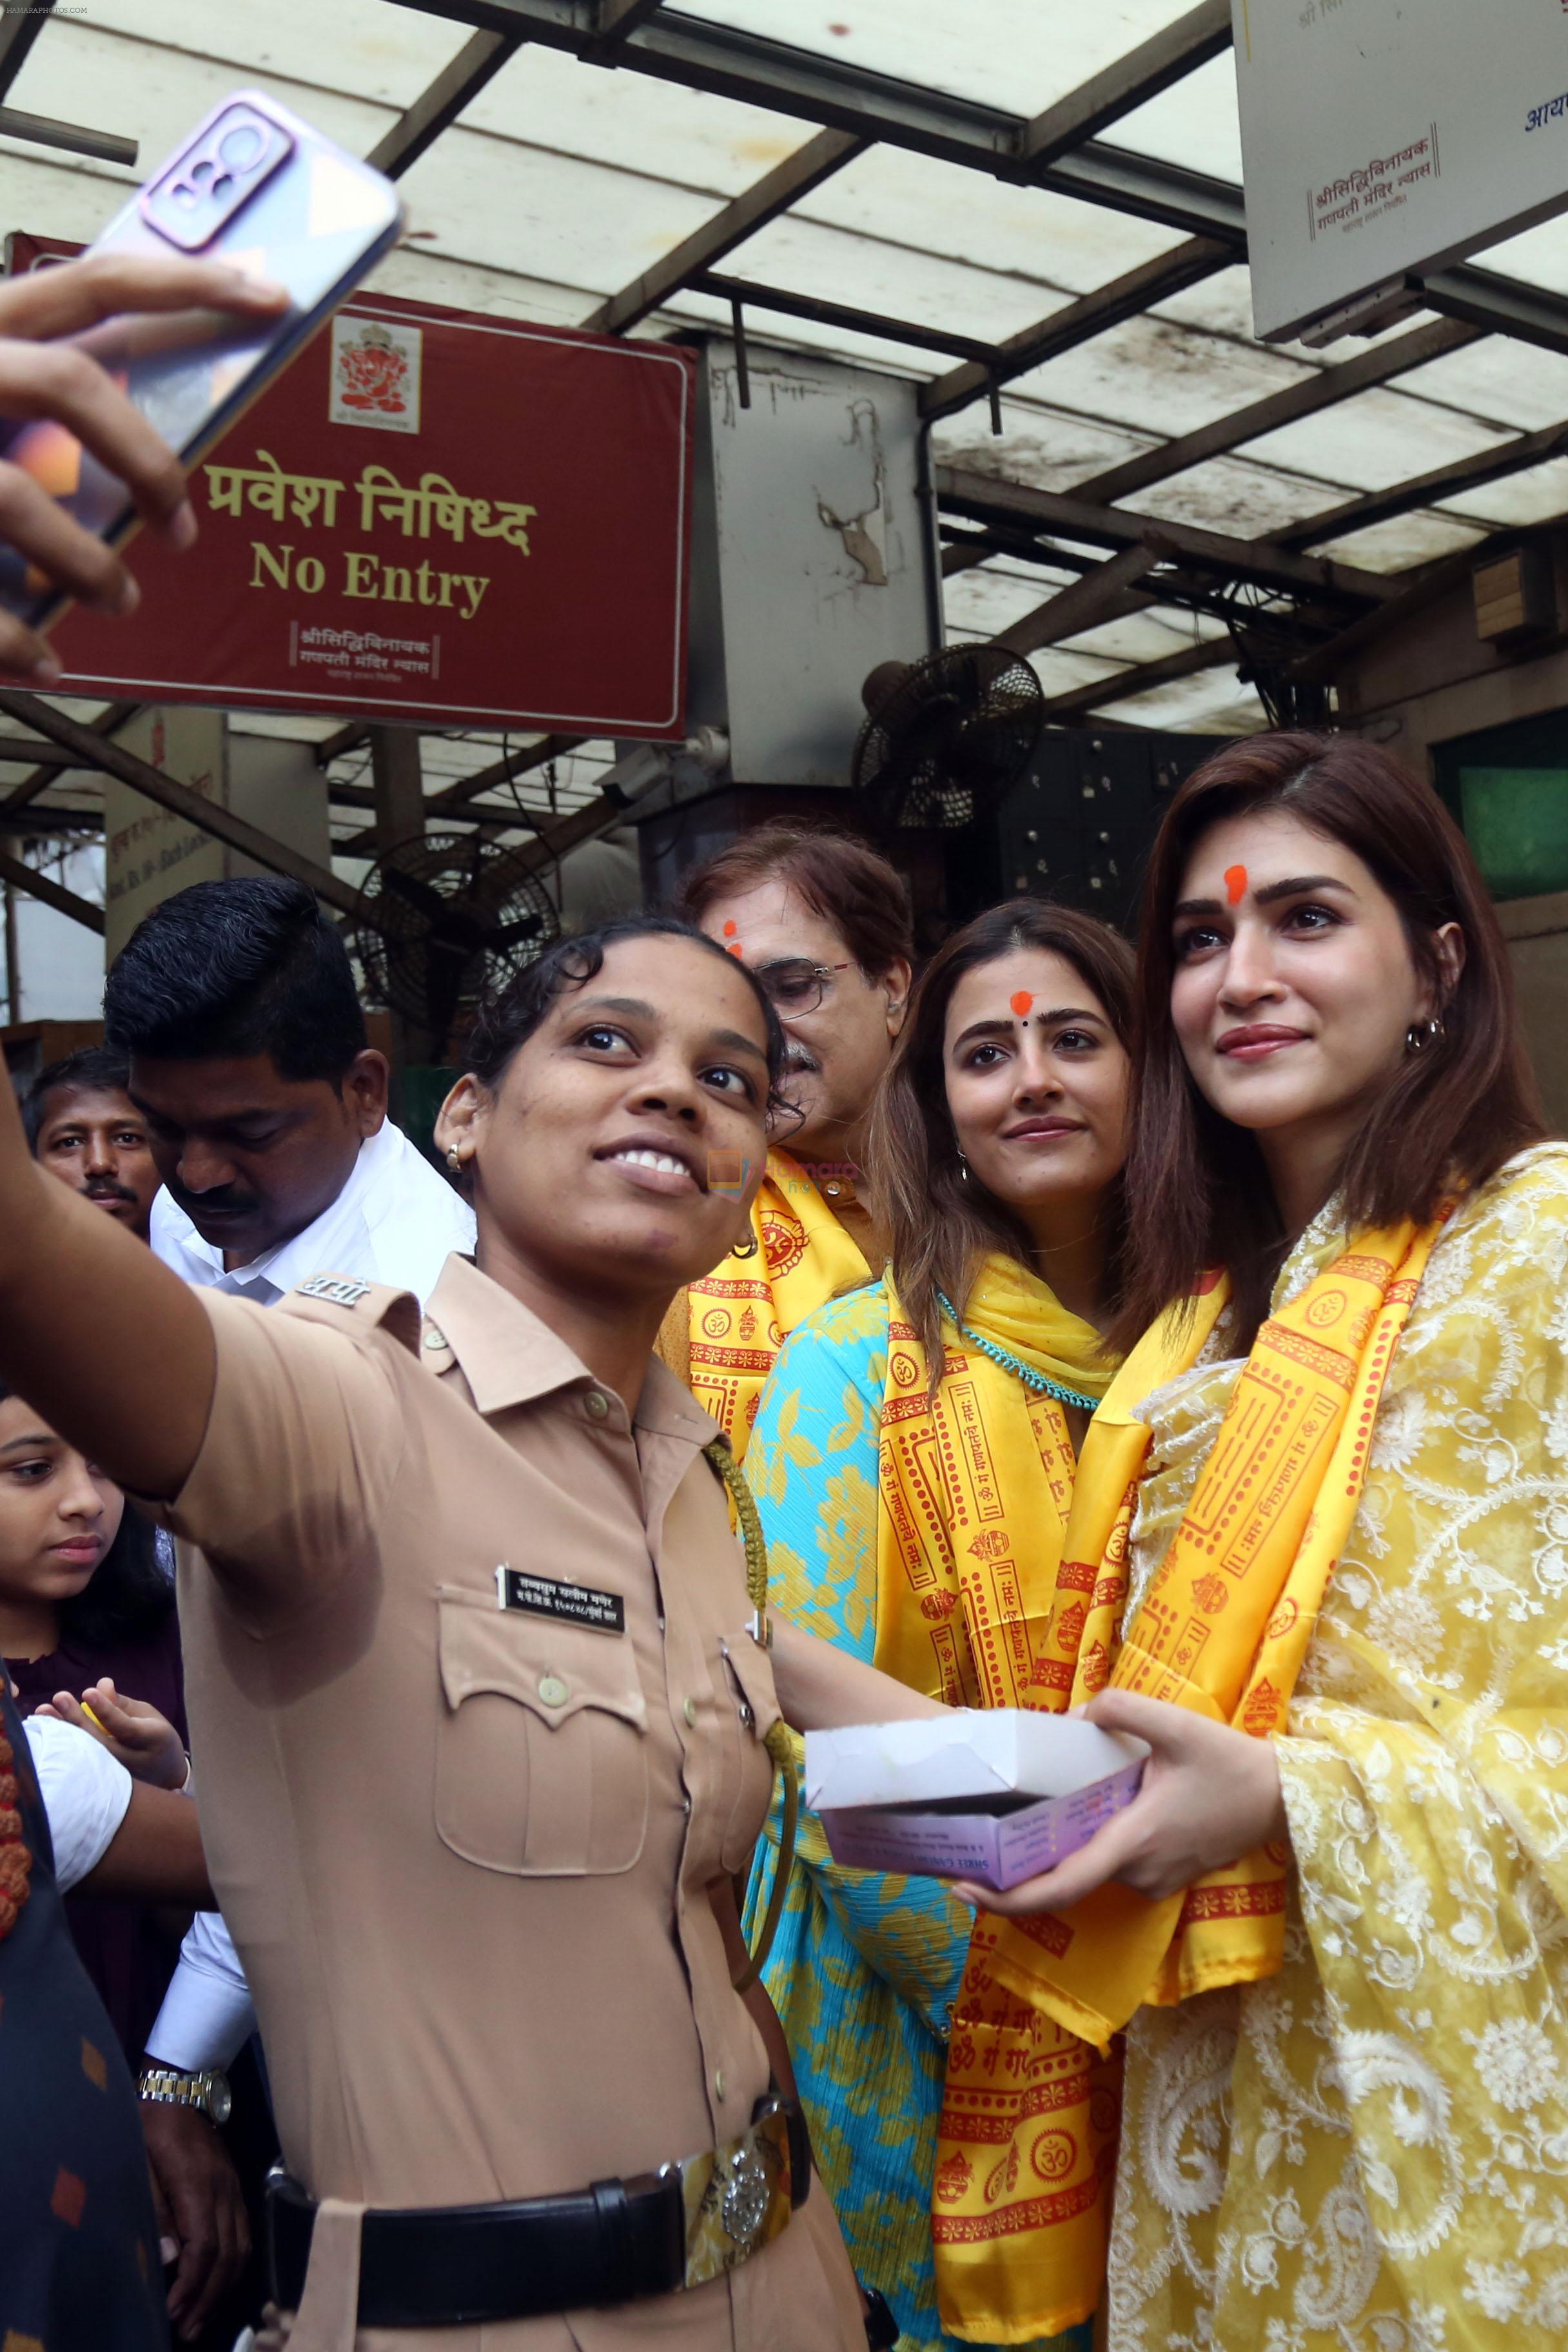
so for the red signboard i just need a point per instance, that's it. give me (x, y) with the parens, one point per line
(431, 516)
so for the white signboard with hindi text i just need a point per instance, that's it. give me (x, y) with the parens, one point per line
(1385, 138)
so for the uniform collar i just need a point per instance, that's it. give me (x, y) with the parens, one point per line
(509, 1356)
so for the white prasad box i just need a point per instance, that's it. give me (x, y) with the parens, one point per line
(996, 1796)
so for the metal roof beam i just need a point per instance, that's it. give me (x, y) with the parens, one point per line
(107, 722)
(1128, 82)
(478, 60)
(773, 194)
(451, 799)
(1075, 322)
(1500, 306)
(1087, 601)
(336, 746)
(1319, 391)
(617, 21)
(51, 892)
(1515, 456)
(984, 499)
(17, 750)
(838, 314)
(1185, 663)
(43, 130)
(208, 816)
(43, 887)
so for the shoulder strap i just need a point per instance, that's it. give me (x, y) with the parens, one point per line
(339, 1299)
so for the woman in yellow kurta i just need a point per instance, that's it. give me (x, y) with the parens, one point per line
(915, 1517)
(1326, 1505)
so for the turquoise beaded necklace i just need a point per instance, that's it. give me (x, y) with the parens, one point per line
(1025, 1372)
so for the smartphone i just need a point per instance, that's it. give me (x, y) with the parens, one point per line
(252, 186)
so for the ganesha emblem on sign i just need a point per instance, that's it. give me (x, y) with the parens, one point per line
(375, 373)
(371, 373)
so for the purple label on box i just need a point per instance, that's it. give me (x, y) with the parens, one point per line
(997, 1850)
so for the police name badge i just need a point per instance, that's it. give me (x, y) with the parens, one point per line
(575, 1604)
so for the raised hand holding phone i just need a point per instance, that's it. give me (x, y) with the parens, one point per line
(47, 377)
(124, 366)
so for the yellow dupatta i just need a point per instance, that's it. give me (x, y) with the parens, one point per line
(1223, 1629)
(975, 1491)
(797, 1258)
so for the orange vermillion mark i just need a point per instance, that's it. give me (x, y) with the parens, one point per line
(1022, 1004)
(1236, 884)
(731, 928)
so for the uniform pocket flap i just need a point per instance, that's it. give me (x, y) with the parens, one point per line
(749, 1663)
(555, 1669)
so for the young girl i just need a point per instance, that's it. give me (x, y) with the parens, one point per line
(83, 1595)
(996, 1153)
(1326, 1501)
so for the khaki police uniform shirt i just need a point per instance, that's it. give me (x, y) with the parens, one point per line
(465, 1851)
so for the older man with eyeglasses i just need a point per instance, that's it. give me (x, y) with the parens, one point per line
(824, 922)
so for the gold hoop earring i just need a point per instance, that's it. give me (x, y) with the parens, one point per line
(454, 1160)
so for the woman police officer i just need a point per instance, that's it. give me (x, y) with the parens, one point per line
(477, 1692)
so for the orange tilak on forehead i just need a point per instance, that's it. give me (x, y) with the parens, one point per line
(731, 941)
(1236, 884)
(1022, 1002)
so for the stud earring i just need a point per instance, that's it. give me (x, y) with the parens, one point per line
(454, 1160)
(1422, 1034)
(963, 1169)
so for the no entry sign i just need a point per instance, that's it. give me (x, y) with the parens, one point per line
(431, 516)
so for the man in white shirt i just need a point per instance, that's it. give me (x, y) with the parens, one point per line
(265, 1112)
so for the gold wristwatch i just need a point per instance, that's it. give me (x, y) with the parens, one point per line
(166, 2087)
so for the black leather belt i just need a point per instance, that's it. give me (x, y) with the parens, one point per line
(464, 2265)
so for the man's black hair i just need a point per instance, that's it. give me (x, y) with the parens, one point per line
(235, 969)
(95, 1070)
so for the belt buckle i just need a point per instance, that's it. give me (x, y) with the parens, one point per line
(736, 2197)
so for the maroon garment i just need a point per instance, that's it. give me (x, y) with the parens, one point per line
(129, 1949)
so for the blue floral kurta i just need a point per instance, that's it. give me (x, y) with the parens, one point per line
(865, 1967)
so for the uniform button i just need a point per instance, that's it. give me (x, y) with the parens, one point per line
(719, 2083)
(434, 1339)
(596, 1403)
(690, 1712)
(832, 1190)
(553, 1690)
(685, 1806)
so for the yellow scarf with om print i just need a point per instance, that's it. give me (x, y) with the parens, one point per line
(797, 1257)
(975, 1489)
(1223, 1629)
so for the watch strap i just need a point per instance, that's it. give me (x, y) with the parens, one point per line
(169, 2087)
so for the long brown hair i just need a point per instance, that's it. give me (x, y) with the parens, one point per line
(1198, 1195)
(940, 1227)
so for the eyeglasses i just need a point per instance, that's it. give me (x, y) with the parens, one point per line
(793, 984)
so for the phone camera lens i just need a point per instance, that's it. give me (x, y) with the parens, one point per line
(202, 172)
(223, 187)
(240, 147)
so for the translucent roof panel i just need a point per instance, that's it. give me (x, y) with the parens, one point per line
(561, 183)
